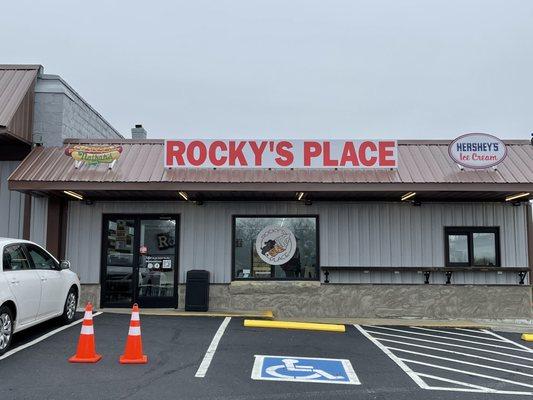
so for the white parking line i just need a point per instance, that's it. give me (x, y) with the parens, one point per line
(460, 361)
(451, 344)
(509, 341)
(457, 352)
(497, 372)
(470, 373)
(458, 334)
(204, 366)
(43, 337)
(454, 382)
(398, 362)
(468, 330)
(481, 388)
(449, 338)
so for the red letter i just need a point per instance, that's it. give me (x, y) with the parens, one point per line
(175, 150)
(328, 162)
(286, 157)
(235, 152)
(190, 153)
(367, 161)
(386, 149)
(311, 149)
(217, 162)
(349, 155)
(258, 152)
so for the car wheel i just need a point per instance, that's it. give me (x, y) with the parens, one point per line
(6, 328)
(69, 312)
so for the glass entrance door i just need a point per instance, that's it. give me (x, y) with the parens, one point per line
(139, 261)
(157, 262)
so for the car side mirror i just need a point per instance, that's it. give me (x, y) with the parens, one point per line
(65, 264)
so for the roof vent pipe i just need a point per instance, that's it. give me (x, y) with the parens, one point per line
(138, 133)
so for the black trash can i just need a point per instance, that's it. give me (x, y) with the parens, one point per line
(197, 290)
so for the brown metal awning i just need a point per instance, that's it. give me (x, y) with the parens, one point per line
(424, 167)
(17, 83)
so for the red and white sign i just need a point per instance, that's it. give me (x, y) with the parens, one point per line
(477, 150)
(231, 153)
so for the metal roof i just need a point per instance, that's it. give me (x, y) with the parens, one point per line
(422, 166)
(16, 103)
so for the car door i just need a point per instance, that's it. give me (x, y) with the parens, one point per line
(52, 282)
(23, 282)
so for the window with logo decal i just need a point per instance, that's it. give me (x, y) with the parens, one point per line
(275, 247)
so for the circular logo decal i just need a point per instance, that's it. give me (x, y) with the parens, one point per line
(275, 245)
(477, 150)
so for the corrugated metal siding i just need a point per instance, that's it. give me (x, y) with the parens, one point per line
(417, 163)
(39, 216)
(351, 234)
(11, 204)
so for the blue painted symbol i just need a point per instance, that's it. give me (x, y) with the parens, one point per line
(304, 369)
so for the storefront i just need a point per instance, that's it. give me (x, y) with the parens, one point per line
(305, 228)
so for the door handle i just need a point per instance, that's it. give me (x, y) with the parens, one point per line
(43, 279)
(14, 281)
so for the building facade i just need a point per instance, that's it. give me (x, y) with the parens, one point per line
(427, 239)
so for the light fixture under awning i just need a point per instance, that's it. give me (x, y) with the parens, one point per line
(408, 195)
(516, 196)
(73, 194)
(184, 195)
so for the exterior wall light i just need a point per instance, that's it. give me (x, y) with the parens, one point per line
(408, 195)
(184, 195)
(516, 196)
(300, 195)
(73, 194)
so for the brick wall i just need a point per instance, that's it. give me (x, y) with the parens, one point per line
(61, 113)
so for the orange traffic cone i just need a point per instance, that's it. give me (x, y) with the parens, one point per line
(133, 353)
(86, 352)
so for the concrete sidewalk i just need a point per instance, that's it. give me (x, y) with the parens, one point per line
(511, 325)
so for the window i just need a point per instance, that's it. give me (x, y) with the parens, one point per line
(275, 247)
(41, 259)
(472, 247)
(15, 258)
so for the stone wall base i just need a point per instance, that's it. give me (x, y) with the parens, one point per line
(89, 293)
(312, 299)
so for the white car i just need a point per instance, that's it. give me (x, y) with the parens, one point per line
(34, 287)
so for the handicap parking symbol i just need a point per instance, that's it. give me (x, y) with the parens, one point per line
(304, 369)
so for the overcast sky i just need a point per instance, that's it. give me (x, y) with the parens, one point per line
(288, 68)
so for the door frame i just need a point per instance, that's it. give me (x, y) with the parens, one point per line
(137, 217)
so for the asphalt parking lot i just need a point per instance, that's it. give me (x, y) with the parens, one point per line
(217, 358)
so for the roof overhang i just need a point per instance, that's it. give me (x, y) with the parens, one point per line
(139, 174)
(265, 192)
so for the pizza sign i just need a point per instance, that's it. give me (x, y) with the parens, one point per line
(477, 150)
